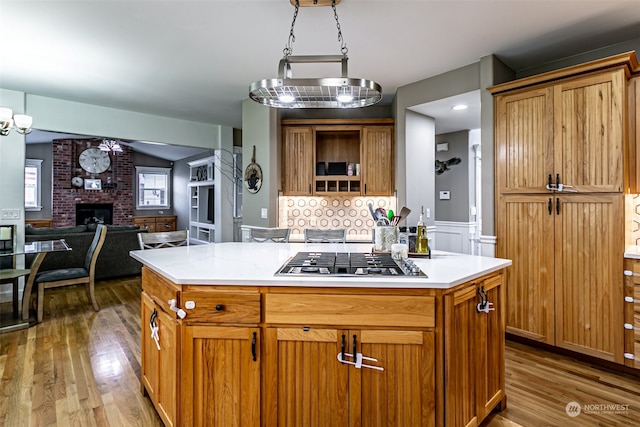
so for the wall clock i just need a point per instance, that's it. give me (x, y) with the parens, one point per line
(93, 160)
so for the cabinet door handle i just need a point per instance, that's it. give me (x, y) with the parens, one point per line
(309, 188)
(342, 348)
(365, 189)
(355, 346)
(253, 346)
(557, 206)
(549, 183)
(219, 307)
(557, 180)
(549, 204)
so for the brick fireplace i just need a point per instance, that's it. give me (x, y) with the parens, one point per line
(66, 196)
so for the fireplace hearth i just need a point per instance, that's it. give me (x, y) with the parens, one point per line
(94, 213)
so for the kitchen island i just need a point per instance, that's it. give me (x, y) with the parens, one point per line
(236, 345)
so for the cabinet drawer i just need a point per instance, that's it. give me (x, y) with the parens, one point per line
(366, 310)
(159, 289)
(221, 307)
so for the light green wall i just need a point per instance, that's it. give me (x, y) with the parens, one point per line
(12, 156)
(85, 119)
(260, 128)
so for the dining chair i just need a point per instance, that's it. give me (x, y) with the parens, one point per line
(276, 235)
(163, 239)
(8, 271)
(314, 235)
(73, 276)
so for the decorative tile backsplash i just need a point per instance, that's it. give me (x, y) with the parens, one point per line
(352, 213)
(635, 219)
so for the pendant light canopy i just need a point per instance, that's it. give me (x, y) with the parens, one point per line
(327, 92)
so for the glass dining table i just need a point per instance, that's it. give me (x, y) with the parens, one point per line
(19, 319)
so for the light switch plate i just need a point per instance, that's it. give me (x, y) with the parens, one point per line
(10, 214)
(445, 195)
(264, 213)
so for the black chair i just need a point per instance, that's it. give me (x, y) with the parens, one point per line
(73, 276)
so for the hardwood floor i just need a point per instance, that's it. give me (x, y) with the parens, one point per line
(82, 368)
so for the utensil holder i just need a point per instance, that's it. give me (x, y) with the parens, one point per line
(384, 237)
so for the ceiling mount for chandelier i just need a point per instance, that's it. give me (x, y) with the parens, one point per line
(327, 92)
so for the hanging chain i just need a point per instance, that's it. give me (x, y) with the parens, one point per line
(288, 50)
(343, 45)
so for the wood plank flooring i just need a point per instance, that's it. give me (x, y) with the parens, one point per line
(82, 368)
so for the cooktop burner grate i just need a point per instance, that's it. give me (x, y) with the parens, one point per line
(347, 264)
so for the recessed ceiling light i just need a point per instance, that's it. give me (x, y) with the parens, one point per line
(459, 107)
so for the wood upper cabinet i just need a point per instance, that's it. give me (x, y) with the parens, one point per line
(589, 138)
(220, 376)
(569, 132)
(524, 140)
(474, 353)
(344, 157)
(298, 160)
(310, 386)
(378, 165)
(160, 361)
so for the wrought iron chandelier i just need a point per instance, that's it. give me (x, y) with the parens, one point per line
(327, 92)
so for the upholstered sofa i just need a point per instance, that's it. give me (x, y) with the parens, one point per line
(113, 261)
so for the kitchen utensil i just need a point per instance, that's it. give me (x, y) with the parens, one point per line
(404, 213)
(390, 214)
(382, 221)
(381, 213)
(373, 214)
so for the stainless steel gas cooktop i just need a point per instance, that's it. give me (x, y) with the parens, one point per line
(349, 264)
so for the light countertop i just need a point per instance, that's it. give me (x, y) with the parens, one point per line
(632, 251)
(254, 264)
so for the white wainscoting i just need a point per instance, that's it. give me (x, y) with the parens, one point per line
(488, 246)
(460, 237)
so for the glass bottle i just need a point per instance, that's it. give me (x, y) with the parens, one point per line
(422, 243)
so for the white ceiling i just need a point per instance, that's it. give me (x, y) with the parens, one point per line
(195, 59)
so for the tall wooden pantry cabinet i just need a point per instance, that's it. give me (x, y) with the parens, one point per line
(560, 144)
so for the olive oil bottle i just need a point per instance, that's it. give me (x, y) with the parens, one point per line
(422, 243)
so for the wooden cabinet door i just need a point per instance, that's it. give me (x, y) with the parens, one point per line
(159, 374)
(459, 358)
(221, 376)
(404, 393)
(490, 349)
(297, 161)
(306, 385)
(525, 231)
(589, 132)
(589, 236)
(524, 141)
(378, 161)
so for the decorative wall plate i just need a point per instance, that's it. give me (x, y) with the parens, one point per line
(253, 175)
